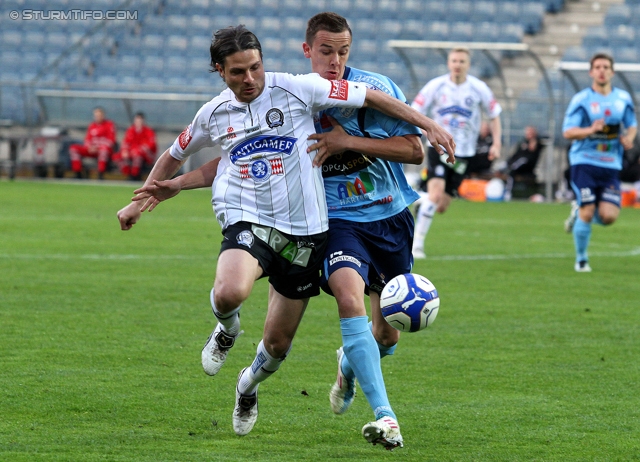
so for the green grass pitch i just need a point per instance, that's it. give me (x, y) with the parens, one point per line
(101, 332)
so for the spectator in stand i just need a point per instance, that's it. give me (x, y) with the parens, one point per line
(521, 165)
(138, 148)
(98, 143)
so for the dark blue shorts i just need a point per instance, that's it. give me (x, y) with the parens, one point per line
(592, 184)
(378, 250)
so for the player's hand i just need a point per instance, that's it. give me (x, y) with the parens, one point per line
(329, 144)
(494, 151)
(442, 141)
(155, 193)
(597, 125)
(128, 216)
(626, 141)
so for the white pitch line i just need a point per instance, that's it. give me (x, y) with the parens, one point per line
(118, 257)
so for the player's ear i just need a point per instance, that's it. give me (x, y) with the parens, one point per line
(220, 70)
(306, 49)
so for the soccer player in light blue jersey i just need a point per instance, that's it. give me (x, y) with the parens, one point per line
(370, 226)
(601, 122)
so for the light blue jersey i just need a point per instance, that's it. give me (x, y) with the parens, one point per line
(361, 188)
(602, 149)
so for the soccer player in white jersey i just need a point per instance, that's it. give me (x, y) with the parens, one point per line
(601, 122)
(370, 225)
(456, 101)
(267, 196)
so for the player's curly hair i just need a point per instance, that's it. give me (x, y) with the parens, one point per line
(230, 40)
(327, 21)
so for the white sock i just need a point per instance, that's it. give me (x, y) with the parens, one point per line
(423, 222)
(230, 321)
(263, 366)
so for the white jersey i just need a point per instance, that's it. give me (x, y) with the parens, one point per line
(265, 175)
(458, 108)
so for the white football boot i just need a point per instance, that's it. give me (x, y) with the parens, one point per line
(214, 353)
(582, 267)
(245, 412)
(384, 431)
(573, 216)
(343, 390)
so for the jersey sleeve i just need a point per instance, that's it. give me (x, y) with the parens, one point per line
(193, 138)
(629, 116)
(489, 102)
(323, 94)
(574, 116)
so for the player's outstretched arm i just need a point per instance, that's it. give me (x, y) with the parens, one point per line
(437, 136)
(407, 149)
(152, 194)
(164, 168)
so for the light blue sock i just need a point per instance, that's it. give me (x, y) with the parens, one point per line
(360, 346)
(384, 351)
(581, 237)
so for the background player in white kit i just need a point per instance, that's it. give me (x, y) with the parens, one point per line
(456, 101)
(267, 196)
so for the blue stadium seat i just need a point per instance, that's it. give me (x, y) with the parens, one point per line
(460, 31)
(363, 9)
(437, 30)
(152, 65)
(176, 44)
(363, 28)
(507, 13)
(412, 9)
(459, 10)
(617, 15)
(386, 8)
(176, 24)
(486, 32)
(11, 40)
(532, 16)
(270, 7)
(153, 43)
(485, 11)
(621, 36)
(626, 55)
(55, 41)
(511, 33)
(575, 53)
(175, 65)
(389, 28)
(596, 36)
(413, 29)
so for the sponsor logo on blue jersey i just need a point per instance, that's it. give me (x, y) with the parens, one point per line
(262, 145)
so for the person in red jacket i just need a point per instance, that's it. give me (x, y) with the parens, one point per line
(98, 143)
(138, 148)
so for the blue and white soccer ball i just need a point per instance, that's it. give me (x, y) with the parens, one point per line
(409, 302)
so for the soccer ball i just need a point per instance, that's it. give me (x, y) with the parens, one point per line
(409, 302)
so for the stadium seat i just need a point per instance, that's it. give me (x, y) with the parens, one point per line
(621, 36)
(507, 13)
(626, 54)
(486, 32)
(617, 15)
(485, 11)
(532, 16)
(596, 36)
(459, 11)
(460, 31)
(153, 43)
(11, 40)
(575, 53)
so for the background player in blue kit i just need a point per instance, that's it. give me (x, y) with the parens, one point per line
(370, 226)
(601, 122)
